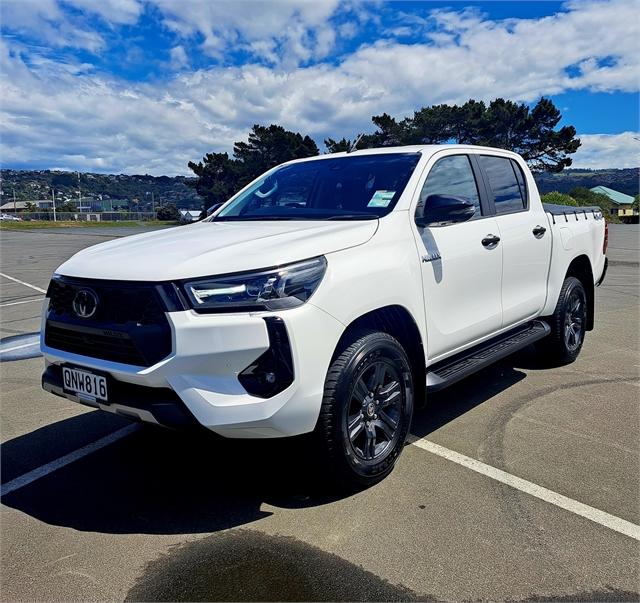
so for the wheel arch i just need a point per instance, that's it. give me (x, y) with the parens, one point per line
(581, 269)
(398, 322)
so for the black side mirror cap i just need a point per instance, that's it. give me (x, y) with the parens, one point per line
(440, 210)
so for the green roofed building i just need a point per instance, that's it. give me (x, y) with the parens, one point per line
(623, 204)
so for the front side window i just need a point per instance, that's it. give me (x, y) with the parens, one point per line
(508, 193)
(451, 177)
(357, 187)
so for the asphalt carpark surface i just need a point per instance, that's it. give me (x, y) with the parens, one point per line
(157, 515)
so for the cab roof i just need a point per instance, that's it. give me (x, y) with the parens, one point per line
(425, 149)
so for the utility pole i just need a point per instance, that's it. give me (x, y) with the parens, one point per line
(79, 195)
(153, 204)
(53, 196)
(14, 201)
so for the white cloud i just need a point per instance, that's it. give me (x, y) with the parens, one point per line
(291, 31)
(608, 150)
(46, 22)
(112, 11)
(178, 57)
(68, 115)
(519, 59)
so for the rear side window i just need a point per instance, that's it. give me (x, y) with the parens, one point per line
(506, 183)
(452, 177)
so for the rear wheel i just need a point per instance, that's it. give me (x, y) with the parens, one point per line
(366, 409)
(568, 324)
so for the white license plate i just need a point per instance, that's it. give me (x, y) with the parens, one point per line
(84, 383)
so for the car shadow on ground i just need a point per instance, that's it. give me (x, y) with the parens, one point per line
(157, 481)
(448, 404)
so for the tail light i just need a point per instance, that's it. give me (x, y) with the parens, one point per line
(605, 244)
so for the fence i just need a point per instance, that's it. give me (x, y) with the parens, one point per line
(111, 216)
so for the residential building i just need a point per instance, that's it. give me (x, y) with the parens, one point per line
(623, 204)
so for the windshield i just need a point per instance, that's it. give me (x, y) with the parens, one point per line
(340, 188)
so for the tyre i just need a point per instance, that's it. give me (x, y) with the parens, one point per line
(366, 410)
(568, 324)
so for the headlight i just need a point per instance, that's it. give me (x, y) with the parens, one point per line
(274, 289)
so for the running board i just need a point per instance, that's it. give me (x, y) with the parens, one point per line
(448, 371)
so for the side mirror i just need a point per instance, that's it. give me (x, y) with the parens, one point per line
(440, 210)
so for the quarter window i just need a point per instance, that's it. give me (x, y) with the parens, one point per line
(507, 188)
(520, 178)
(451, 176)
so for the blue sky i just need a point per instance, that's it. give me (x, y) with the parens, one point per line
(144, 86)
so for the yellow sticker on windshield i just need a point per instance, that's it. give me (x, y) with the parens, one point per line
(381, 199)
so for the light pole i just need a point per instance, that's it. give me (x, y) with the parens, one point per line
(53, 196)
(79, 195)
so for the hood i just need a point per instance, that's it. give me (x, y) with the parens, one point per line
(209, 248)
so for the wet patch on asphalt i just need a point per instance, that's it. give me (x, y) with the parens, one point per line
(246, 565)
(20, 347)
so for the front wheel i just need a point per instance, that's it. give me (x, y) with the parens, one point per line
(366, 409)
(568, 324)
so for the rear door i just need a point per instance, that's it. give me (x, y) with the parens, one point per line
(524, 237)
(461, 276)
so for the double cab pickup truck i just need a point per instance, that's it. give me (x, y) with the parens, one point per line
(331, 295)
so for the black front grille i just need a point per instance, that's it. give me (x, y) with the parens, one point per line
(129, 325)
(119, 303)
(93, 343)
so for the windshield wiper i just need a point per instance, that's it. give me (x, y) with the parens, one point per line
(253, 218)
(362, 216)
(272, 218)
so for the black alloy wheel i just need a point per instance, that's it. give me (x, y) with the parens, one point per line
(574, 320)
(366, 409)
(568, 325)
(375, 409)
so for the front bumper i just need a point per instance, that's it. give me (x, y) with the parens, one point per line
(159, 405)
(200, 376)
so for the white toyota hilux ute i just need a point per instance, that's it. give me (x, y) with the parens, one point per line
(330, 295)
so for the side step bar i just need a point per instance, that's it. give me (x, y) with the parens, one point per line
(448, 371)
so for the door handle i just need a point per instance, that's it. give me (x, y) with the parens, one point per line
(490, 241)
(538, 231)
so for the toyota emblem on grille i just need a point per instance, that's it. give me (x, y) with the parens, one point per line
(85, 303)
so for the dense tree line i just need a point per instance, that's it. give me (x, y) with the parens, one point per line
(501, 123)
(529, 131)
(220, 176)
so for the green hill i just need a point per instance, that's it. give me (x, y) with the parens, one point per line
(623, 180)
(132, 191)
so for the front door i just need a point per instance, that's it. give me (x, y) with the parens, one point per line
(461, 268)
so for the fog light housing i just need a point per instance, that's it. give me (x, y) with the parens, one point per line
(272, 372)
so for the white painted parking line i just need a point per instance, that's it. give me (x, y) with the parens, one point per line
(17, 280)
(24, 301)
(568, 504)
(32, 476)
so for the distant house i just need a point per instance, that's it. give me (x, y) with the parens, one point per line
(623, 204)
(190, 215)
(10, 206)
(88, 204)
